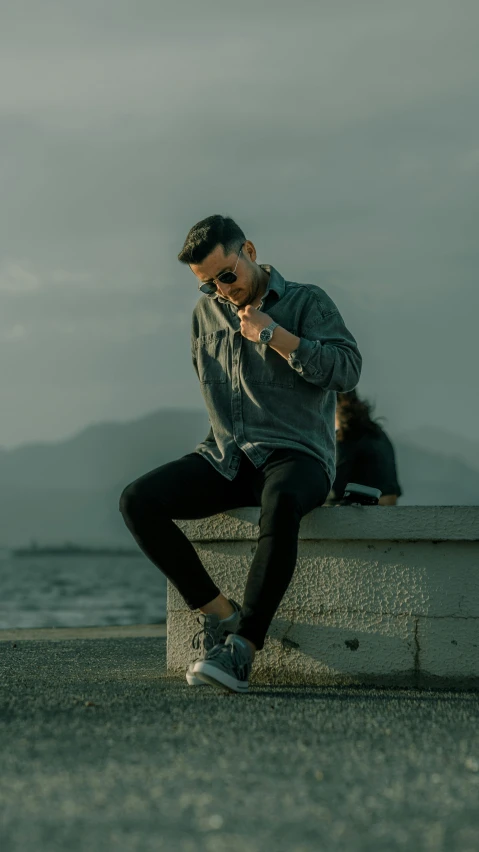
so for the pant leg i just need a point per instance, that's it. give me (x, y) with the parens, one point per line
(291, 485)
(187, 488)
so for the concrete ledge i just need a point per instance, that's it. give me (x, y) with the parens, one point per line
(380, 596)
(399, 523)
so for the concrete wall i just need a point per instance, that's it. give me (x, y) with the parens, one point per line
(380, 595)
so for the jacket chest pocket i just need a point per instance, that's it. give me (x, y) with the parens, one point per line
(267, 367)
(212, 356)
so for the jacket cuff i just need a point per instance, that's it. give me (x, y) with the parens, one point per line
(298, 359)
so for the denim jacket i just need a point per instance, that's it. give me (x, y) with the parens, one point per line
(258, 401)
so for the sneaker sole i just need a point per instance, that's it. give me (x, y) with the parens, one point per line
(215, 677)
(193, 680)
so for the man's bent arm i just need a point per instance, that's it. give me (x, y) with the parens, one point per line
(327, 355)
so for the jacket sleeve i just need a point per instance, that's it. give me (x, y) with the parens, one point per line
(327, 355)
(210, 436)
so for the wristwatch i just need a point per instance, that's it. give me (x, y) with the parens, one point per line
(266, 334)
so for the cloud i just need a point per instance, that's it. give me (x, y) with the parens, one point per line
(16, 278)
(188, 65)
(17, 332)
(469, 161)
(343, 139)
(60, 316)
(63, 276)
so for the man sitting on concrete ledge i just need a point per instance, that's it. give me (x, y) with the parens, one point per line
(270, 355)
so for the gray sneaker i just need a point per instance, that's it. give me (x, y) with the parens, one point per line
(227, 665)
(212, 632)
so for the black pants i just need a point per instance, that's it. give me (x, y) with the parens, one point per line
(287, 486)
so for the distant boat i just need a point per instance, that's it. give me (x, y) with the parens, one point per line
(73, 550)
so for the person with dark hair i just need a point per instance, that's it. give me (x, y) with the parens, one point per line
(364, 452)
(270, 355)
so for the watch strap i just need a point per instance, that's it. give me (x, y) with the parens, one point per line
(269, 327)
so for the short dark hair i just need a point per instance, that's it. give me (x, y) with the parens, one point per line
(203, 238)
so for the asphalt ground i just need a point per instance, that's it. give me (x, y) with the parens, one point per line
(99, 750)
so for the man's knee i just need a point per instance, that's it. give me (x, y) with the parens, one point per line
(130, 500)
(282, 504)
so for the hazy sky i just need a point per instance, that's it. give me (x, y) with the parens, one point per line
(342, 136)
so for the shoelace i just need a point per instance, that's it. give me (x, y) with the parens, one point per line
(233, 657)
(205, 636)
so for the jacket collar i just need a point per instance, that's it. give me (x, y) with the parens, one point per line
(275, 283)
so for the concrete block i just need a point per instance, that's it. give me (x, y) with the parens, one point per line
(448, 651)
(380, 595)
(397, 523)
(390, 577)
(337, 648)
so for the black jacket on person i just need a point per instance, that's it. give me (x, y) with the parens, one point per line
(367, 459)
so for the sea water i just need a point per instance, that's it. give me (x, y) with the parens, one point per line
(80, 591)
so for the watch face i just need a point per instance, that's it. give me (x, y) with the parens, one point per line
(265, 335)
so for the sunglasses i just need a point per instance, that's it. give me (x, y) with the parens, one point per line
(210, 288)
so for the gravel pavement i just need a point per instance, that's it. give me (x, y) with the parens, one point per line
(99, 750)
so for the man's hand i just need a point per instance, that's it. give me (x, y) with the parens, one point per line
(252, 321)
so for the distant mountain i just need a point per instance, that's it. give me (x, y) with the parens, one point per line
(103, 454)
(430, 479)
(436, 440)
(69, 491)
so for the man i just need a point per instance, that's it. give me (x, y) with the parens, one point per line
(270, 355)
